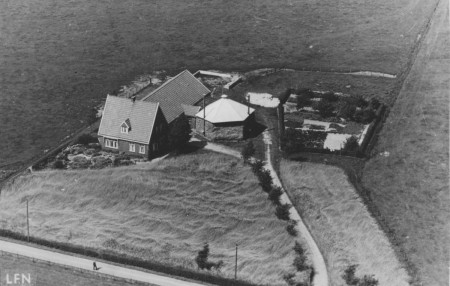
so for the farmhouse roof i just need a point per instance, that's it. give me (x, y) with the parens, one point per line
(184, 88)
(138, 115)
(190, 110)
(225, 110)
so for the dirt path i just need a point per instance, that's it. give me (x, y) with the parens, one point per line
(320, 269)
(86, 264)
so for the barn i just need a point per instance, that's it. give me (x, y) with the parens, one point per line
(225, 119)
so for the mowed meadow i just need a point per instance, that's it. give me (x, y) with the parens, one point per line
(59, 59)
(340, 223)
(162, 211)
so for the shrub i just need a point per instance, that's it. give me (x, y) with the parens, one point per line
(298, 248)
(346, 110)
(300, 263)
(289, 278)
(58, 164)
(202, 256)
(274, 195)
(351, 144)
(248, 151)
(303, 100)
(85, 139)
(179, 133)
(330, 96)
(300, 259)
(325, 108)
(265, 180)
(368, 281)
(356, 100)
(290, 228)
(257, 166)
(351, 279)
(282, 211)
(374, 103)
(202, 260)
(349, 275)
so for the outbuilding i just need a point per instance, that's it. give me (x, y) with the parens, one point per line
(225, 119)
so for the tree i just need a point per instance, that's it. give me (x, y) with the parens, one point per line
(248, 151)
(330, 96)
(180, 133)
(303, 101)
(346, 110)
(351, 144)
(202, 257)
(325, 108)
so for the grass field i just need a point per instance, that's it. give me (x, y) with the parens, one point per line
(339, 221)
(48, 274)
(410, 187)
(163, 212)
(60, 59)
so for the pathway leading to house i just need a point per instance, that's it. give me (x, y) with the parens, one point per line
(86, 264)
(320, 269)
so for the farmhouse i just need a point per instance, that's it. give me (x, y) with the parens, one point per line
(140, 127)
(133, 127)
(225, 119)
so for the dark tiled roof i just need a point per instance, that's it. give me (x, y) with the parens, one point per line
(190, 110)
(181, 89)
(139, 115)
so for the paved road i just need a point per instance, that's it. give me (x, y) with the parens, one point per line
(86, 264)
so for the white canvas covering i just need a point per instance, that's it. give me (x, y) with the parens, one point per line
(225, 110)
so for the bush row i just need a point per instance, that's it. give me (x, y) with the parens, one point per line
(154, 266)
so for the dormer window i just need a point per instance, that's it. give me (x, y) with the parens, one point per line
(125, 127)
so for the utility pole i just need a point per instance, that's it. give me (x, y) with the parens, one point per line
(28, 224)
(235, 265)
(248, 103)
(204, 117)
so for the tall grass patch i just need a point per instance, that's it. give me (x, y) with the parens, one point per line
(161, 212)
(340, 223)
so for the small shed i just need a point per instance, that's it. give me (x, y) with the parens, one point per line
(225, 119)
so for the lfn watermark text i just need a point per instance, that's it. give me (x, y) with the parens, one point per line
(16, 277)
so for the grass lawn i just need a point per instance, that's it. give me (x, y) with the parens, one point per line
(410, 187)
(161, 211)
(339, 221)
(48, 274)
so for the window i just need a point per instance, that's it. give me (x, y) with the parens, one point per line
(132, 147)
(110, 143)
(154, 146)
(124, 129)
(142, 149)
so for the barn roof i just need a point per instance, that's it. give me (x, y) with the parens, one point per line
(190, 110)
(138, 115)
(225, 110)
(184, 88)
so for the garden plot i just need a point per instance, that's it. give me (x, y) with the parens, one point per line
(327, 120)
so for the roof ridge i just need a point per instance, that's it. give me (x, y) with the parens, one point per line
(164, 84)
